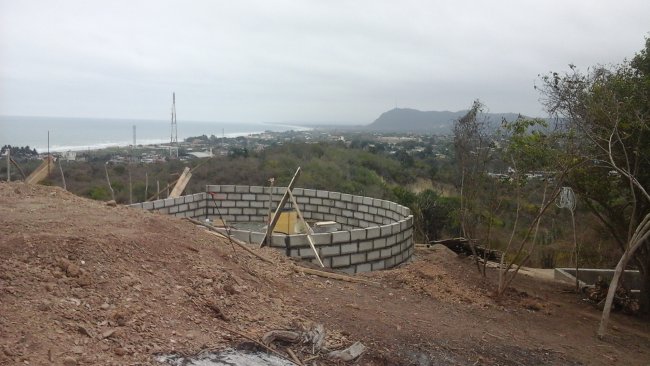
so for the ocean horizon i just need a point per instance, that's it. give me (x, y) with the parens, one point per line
(78, 134)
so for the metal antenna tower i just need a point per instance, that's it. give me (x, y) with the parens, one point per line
(173, 143)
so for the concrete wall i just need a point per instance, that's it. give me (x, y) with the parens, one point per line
(374, 234)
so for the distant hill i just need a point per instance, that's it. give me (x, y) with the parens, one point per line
(438, 122)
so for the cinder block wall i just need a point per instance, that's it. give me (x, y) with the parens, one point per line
(375, 234)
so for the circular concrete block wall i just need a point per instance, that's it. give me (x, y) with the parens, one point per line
(373, 233)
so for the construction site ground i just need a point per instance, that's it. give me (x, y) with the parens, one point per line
(84, 283)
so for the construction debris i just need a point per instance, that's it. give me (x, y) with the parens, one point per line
(623, 299)
(181, 183)
(349, 353)
(313, 335)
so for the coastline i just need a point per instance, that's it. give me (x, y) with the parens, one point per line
(91, 134)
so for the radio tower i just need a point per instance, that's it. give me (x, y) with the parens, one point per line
(173, 143)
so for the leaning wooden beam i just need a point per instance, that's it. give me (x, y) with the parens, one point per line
(41, 172)
(18, 167)
(335, 276)
(309, 230)
(181, 183)
(276, 214)
(241, 245)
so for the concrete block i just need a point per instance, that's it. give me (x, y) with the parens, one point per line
(373, 210)
(147, 205)
(242, 218)
(365, 245)
(256, 189)
(158, 204)
(364, 223)
(340, 261)
(365, 267)
(351, 270)
(357, 258)
(373, 232)
(369, 217)
(357, 234)
(385, 253)
(357, 199)
(328, 202)
(358, 215)
(256, 238)
(242, 204)
(327, 262)
(242, 189)
(349, 248)
(227, 189)
(299, 240)
(335, 211)
(340, 204)
(316, 201)
(234, 196)
(371, 256)
(322, 238)
(353, 222)
(329, 250)
(329, 217)
(172, 209)
(362, 208)
(227, 218)
(317, 216)
(248, 197)
(323, 209)
(306, 253)
(367, 201)
(212, 188)
(378, 265)
(391, 240)
(298, 192)
(189, 198)
(302, 199)
(352, 206)
(389, 262)
(309, 192)
(322, 194)
(278, 190)
(386, 230)
(278, 240)
(346, 197)
(257, 204)
(379, 243)
(249, 211)
(184, 207)
(341, 237)
(347, 213)
(242, 235)
(334, 196)
(234, 211)
(168, 202)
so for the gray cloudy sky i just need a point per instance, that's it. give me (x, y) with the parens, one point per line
(334, 61)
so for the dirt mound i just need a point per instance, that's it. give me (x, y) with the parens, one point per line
(97, 283)
(84, 283)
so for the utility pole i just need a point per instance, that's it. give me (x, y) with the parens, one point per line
(173, 140)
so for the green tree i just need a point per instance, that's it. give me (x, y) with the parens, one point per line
(607, 109)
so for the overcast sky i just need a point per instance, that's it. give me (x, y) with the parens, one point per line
(319, 61)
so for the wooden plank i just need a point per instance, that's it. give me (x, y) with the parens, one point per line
(41, 172)
(276, 214)
(181, 183)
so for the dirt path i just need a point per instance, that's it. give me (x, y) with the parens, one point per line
(82, 283)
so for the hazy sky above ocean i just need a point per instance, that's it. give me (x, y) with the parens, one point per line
(301, 60)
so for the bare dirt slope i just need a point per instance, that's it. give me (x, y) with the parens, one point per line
(85, 283)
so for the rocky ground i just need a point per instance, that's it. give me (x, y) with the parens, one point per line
(83, 283)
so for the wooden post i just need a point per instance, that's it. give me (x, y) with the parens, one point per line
(268, 220)
(8, 165)
(309, 230)
(62, 176)
(276, 215)
(157, 189)
(146, 185)
(109, 181)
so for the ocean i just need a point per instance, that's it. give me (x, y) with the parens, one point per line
(77, 134)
